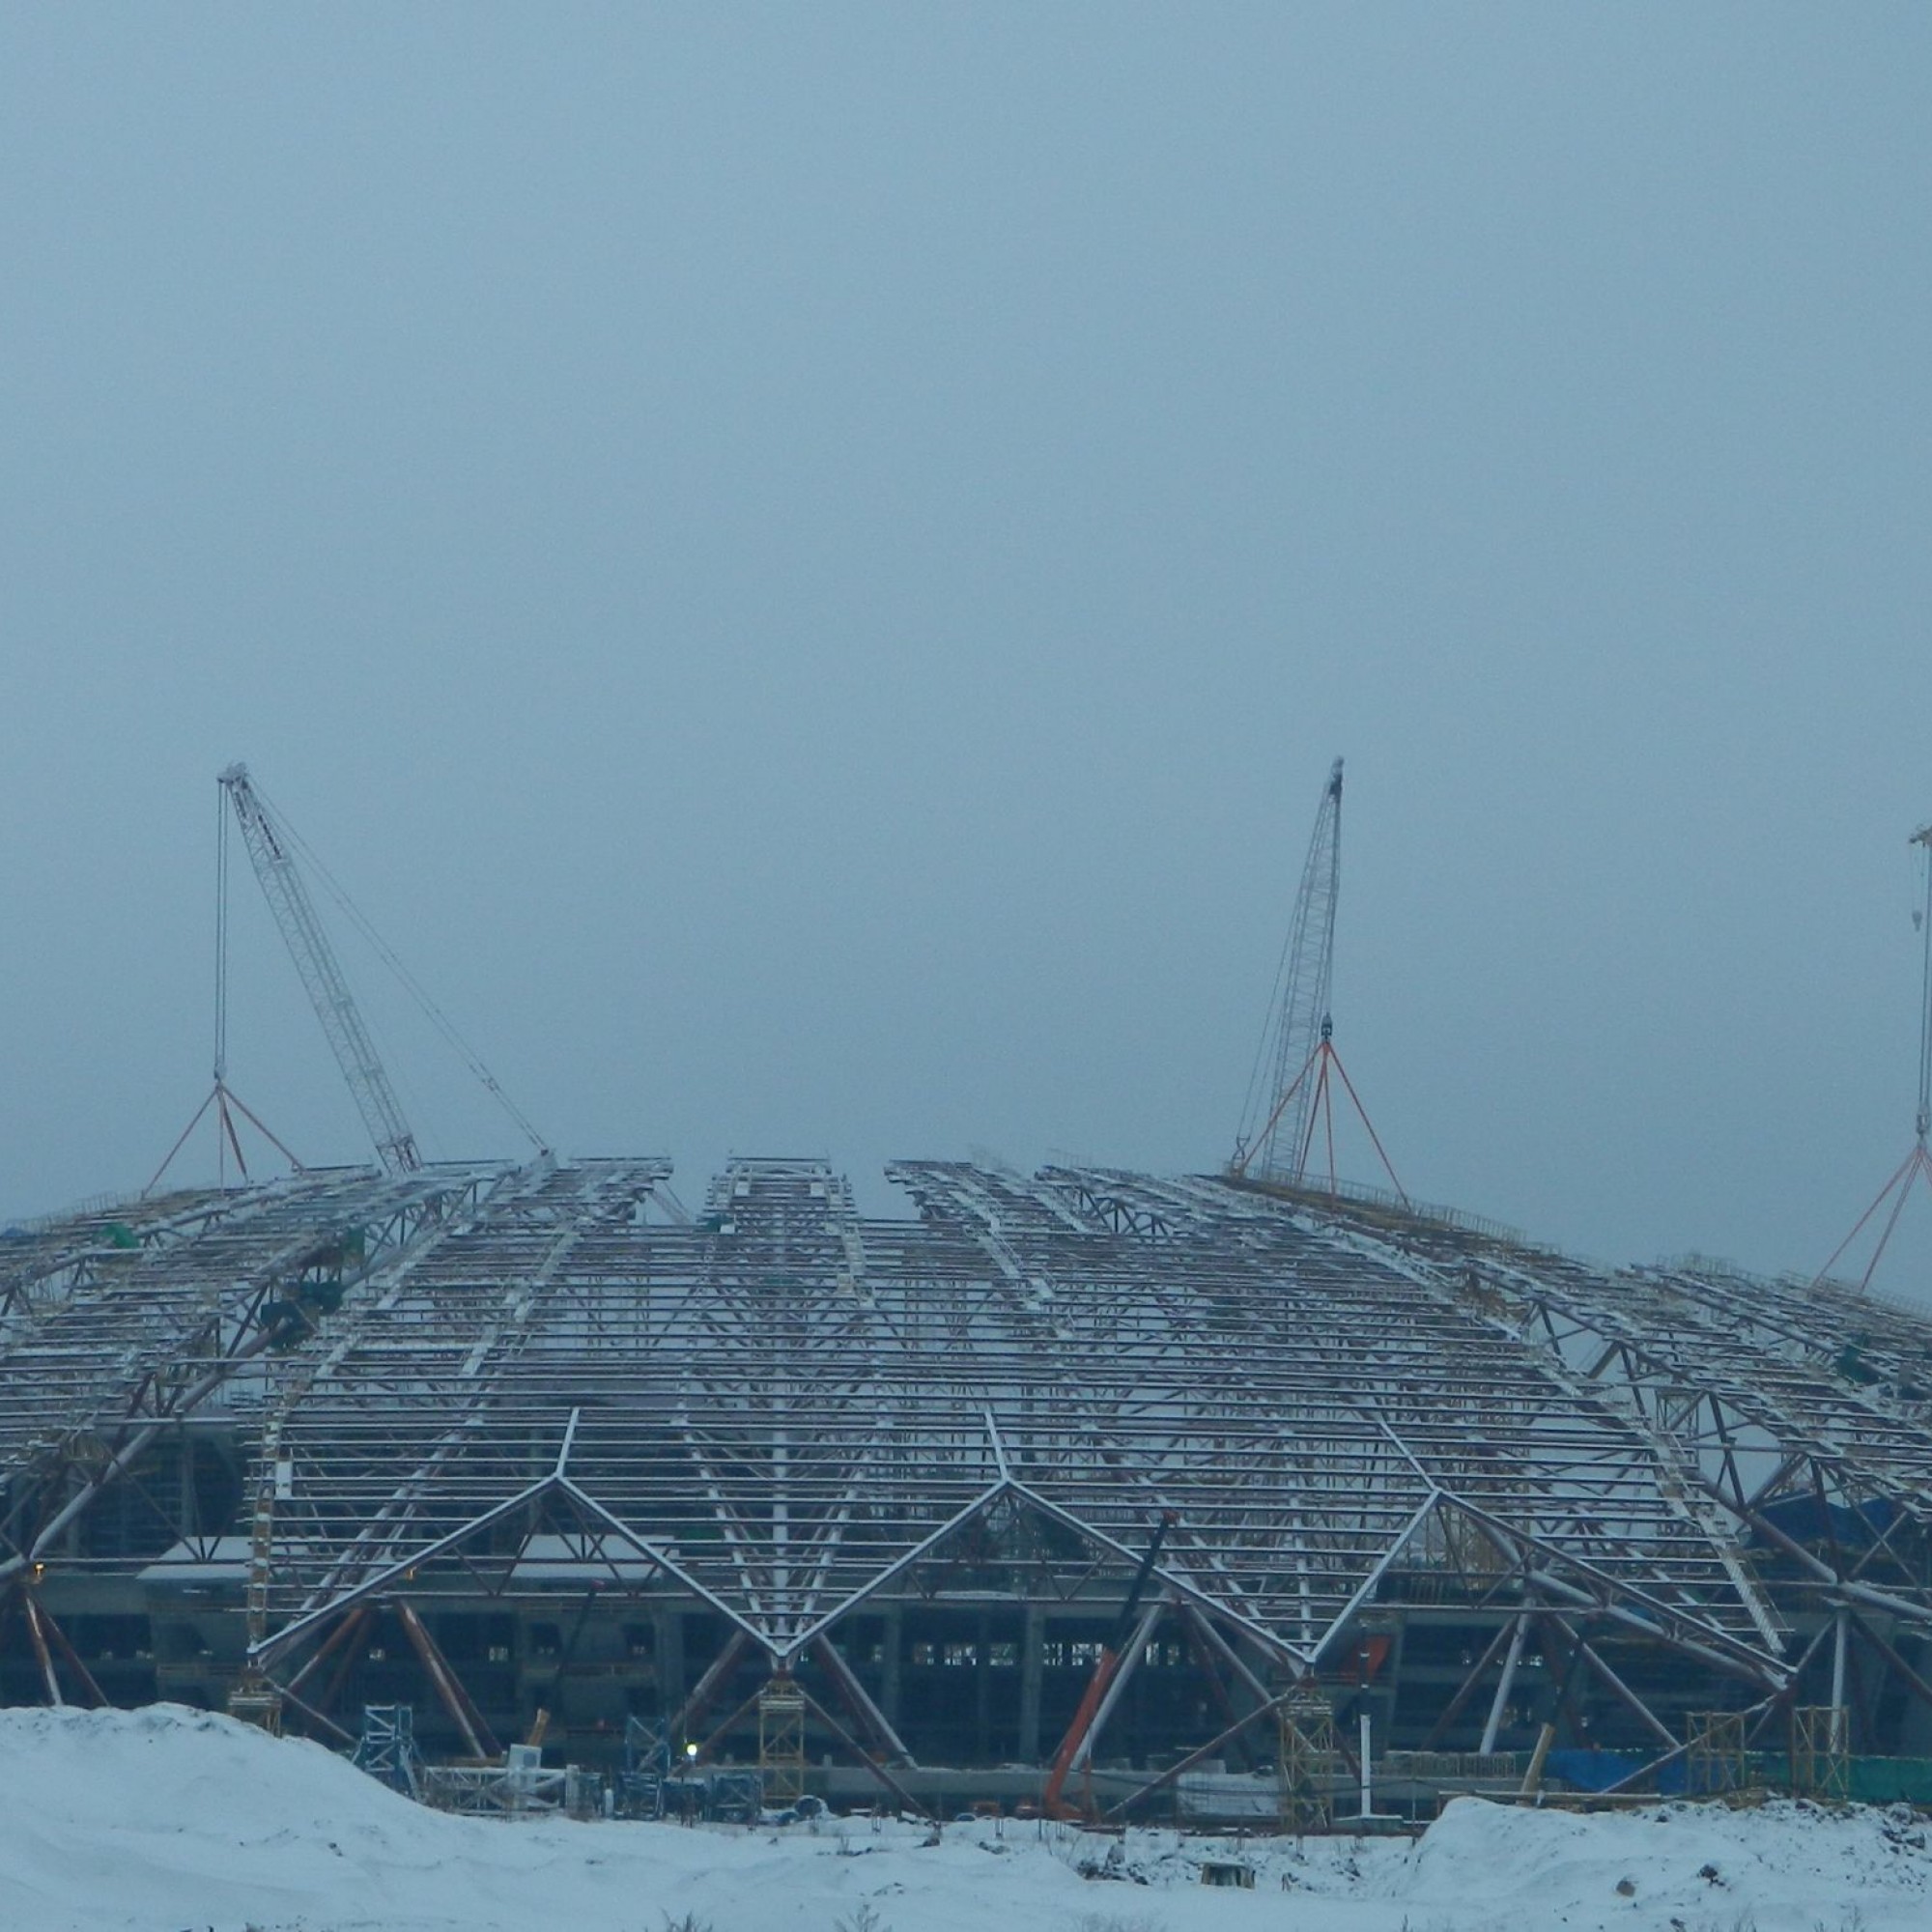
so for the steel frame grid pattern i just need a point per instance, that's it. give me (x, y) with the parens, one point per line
(533, 1382)
(1771, 1405)
(782, 1407)
(108, 1347)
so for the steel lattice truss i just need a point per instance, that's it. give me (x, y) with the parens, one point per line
(116, 1324)
(508, 1377)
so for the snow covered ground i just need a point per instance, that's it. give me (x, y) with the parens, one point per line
(165, 1819)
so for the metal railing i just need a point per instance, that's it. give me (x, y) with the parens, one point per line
(1361, 1193)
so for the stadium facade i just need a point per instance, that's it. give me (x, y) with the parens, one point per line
(872, 1494)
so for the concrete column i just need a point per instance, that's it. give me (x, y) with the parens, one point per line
(669, 1643)
(1840, 1723)
(1033, 1641)
(888, 1668)
(982, 1685)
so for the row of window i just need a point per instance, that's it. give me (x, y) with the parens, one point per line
(1055, 1653)
(463, 1641)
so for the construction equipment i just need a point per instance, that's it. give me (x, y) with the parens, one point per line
(223, 1098)
(1051, 1801)
(322, 977)
(1297, 1050)
(1275, 1143)
(1918, 1164)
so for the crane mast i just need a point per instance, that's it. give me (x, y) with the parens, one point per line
(1279, 1122)
(1918, 1164)
(322, 977)
(1924, 1120)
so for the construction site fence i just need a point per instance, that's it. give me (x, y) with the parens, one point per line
(525, 1790)
(1868, 1780)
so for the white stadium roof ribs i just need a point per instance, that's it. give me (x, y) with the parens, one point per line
(486, 1379)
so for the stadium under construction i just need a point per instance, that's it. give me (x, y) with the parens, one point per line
(1087, 1490)
(491, 1441)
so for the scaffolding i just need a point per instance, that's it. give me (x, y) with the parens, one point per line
(1715, 1762)
(1310, 1760)
(387, 1748)
(1821, 1759)
(781, 1741)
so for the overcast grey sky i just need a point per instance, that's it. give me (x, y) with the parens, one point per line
(806, 565)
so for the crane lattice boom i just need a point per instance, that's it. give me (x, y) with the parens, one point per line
(1923, 1119)
(322, 978)
(1275, 1134)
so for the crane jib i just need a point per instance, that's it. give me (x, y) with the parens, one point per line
(320, 975)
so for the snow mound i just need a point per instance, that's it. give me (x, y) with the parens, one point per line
(1696, 1865)
(165, 1819)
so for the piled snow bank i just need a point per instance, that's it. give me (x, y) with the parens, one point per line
(165, 1819)
(1780, 1864)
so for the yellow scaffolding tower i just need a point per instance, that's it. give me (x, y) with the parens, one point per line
(782, 1740)
(1309, 1755)
(1715, 1761)
(1821, 1758)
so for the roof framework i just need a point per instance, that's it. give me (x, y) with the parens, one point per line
(503, 1375)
